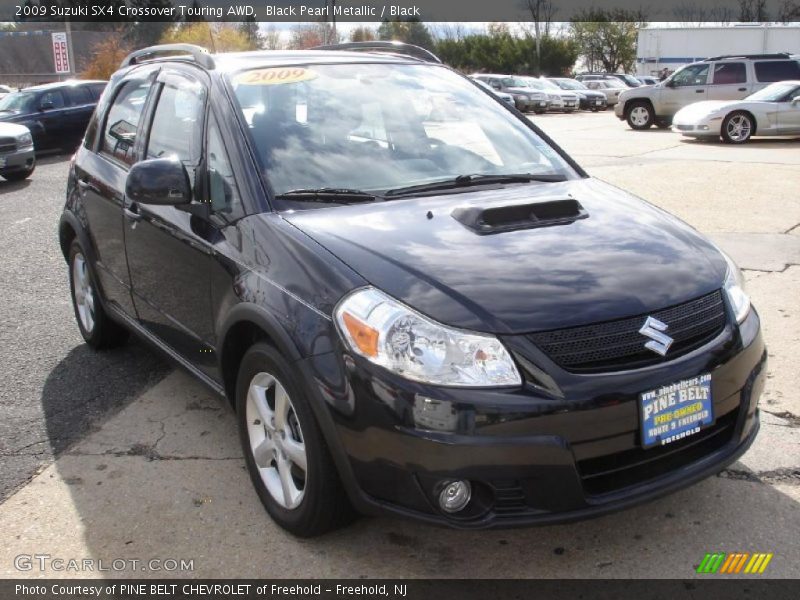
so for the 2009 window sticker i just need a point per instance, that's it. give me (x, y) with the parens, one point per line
(275, 76)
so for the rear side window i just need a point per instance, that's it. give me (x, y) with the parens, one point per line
(97, 89)
(177, 127)
(727, 73)
(777, 70)
(52, 100)
(122, 120)
(79, 95)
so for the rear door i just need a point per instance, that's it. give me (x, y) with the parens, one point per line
(729, 81)
(169, 250)
(101, 170)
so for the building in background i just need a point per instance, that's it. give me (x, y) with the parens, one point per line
(673, 47)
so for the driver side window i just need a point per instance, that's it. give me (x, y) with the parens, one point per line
(692, 75)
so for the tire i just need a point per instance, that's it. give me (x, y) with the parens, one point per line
(305, 503)
(540, 112)
(97, 329)
(640, 115)
(663, 124)
(19, 175)
(737, 128)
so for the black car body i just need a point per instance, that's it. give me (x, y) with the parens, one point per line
(56, 113)
(564, 277)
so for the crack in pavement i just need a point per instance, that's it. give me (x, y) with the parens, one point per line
(785, 475)
(149, 452)
(794, 420)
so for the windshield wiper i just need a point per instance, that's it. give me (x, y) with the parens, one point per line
(332, 195)
(479, 179)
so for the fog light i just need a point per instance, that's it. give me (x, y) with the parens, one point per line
(455, 496)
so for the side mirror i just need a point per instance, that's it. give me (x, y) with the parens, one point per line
(796, 100)
(496, 86)
(669, 83)
(46, 106)
(162, 181)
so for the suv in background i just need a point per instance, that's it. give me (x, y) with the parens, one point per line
(525, 98)
(56, 113)
(717, 78)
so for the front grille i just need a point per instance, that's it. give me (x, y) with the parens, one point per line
(617, 345)
(684, 127)
(604, 474)
(8, 144)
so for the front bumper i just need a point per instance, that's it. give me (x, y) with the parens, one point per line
(531, 457)
(698, 128)
(17, 160)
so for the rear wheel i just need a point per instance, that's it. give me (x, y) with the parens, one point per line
(96, 327)
(737, 128)
(640, 115)
(286, 455)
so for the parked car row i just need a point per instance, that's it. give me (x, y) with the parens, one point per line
(543, 94)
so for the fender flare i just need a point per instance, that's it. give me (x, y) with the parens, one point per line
(247, 311)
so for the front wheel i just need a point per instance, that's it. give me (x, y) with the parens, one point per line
(737, 128)
(640, 115)
(97, 329)
(18, 175)
(286, 455)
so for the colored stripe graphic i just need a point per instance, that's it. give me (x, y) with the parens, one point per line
(734, 563)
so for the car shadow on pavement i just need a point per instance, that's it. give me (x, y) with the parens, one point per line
(7, 187)
(164, 478)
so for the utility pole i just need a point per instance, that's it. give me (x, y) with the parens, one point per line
(70, 53)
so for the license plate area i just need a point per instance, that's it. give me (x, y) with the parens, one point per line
(675, 411)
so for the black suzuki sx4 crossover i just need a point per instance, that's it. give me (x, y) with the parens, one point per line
(414, 300)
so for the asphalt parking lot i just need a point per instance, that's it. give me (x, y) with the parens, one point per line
(117, 455)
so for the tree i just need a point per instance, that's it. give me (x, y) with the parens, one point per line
(412, 31)
(271, 38)
(542, 12)
(309, 35)
(789, 11)
(607, 38)
(362, 34)
(106, 57)
(753, 11)
(217, 37)
(147, 30)
(250, 30)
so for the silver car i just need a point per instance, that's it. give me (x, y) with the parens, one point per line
(17, 160)
(611, 88)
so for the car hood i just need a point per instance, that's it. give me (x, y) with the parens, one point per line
(701, 109)
(626, 258)
(12, 129)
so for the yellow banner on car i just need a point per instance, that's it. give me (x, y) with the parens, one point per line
(275, 76)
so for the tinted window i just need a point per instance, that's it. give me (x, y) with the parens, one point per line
(177, 126)
(777, 70)
(52, 100)
(97, 89)
(119, 133)
(729, 73)
(79, 95)
(222, 191)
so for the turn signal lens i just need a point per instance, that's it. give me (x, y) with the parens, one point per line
(364, 336)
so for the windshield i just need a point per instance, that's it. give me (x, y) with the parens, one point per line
(630, 80)
(773, 93)
(548, 85)
(514, 82)
(17, 102)
(376, 127)
(570, 84)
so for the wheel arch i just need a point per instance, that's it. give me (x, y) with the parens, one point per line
(633, 101)
(244, 326)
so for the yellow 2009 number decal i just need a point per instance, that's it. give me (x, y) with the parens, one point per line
(275, 76)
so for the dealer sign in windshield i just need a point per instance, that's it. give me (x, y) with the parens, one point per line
(676, 411)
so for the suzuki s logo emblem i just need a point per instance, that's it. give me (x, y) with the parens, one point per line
(660, 341)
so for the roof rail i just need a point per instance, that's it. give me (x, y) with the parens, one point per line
(749, 56)
(196, 53)
(390, 47)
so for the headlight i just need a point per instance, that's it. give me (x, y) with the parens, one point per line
(396, 337)
(734, 288)
(25, 140)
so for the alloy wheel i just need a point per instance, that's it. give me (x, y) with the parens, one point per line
(83, 292)
(739, 128)
(276, 440)
(640, 116)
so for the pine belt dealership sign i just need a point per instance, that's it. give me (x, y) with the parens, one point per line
(60, 52)
(345, 10)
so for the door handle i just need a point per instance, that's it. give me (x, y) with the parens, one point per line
(699, 91)
(85, 185)
(742, 89)
(132, 213)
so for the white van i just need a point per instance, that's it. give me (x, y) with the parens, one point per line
(716, 78)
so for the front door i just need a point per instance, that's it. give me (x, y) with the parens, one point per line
(169, 249)
(789, 114)
(687, 86)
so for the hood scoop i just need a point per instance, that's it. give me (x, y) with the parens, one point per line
(485, 221)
